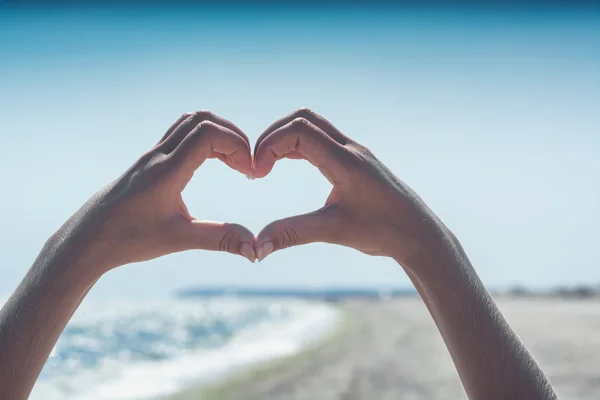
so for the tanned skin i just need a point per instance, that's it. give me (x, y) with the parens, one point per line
(142, 216)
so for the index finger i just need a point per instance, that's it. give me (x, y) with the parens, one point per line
(187, 122)
(314, 118)
(209, 140)
(302, 137)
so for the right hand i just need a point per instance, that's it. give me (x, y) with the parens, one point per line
(369, 208)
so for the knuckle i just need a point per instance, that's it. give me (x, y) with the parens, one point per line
(304, 112)
(145, 159)
(186, 115)
(198, 135)
(203, 130)
(152, 163)
(145, 175)
(204, 125)
(228, 240)
(301, 123)
(288, 237)
(157, 163)
(366, 151)
(235, 227)
(203, 114)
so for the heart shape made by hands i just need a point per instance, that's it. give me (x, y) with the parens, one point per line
(353, 214)
(363, 211)
(280, 140)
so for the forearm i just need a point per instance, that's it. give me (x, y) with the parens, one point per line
(138, 217)
(491, 360)
(35, 315)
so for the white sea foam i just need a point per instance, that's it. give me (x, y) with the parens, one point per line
(261, 331)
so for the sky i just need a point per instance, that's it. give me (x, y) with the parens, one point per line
(491, 114)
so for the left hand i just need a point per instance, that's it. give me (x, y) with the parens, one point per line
(142, 215)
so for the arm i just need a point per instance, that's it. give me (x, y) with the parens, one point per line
(490, 359)
(138, 217)
(372, 211)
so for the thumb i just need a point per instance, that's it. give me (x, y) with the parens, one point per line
(217, 236)
(318, 226)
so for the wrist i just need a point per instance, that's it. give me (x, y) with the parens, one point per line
(69, 257)
(425, 254)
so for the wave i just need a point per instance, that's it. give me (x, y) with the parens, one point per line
(144, 350)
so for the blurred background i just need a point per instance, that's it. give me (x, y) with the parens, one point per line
(490, 112)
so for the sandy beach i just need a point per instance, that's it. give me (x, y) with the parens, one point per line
(392, 350)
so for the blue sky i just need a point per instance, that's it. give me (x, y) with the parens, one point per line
(491, 115)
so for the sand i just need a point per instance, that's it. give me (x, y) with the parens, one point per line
(392, 350)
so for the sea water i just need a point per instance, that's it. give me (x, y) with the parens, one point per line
(145, 350)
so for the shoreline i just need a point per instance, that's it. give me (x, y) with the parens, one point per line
(233, 383)
(388, 349)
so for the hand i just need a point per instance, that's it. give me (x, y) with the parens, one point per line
(369, 208)
(142, 214)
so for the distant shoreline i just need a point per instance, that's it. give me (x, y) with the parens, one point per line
(337, 294)
(308, 293)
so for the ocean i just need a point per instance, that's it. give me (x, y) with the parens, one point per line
(144, 350)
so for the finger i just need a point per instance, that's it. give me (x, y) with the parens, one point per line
(215, 236)
(188, 122)
(224, 158)
(318, 226)
(294, 155)
(183, 117)
(209, 140)
(311, 116)
(301, 137)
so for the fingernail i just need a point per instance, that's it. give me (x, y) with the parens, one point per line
(247, 251)
(265, 250)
